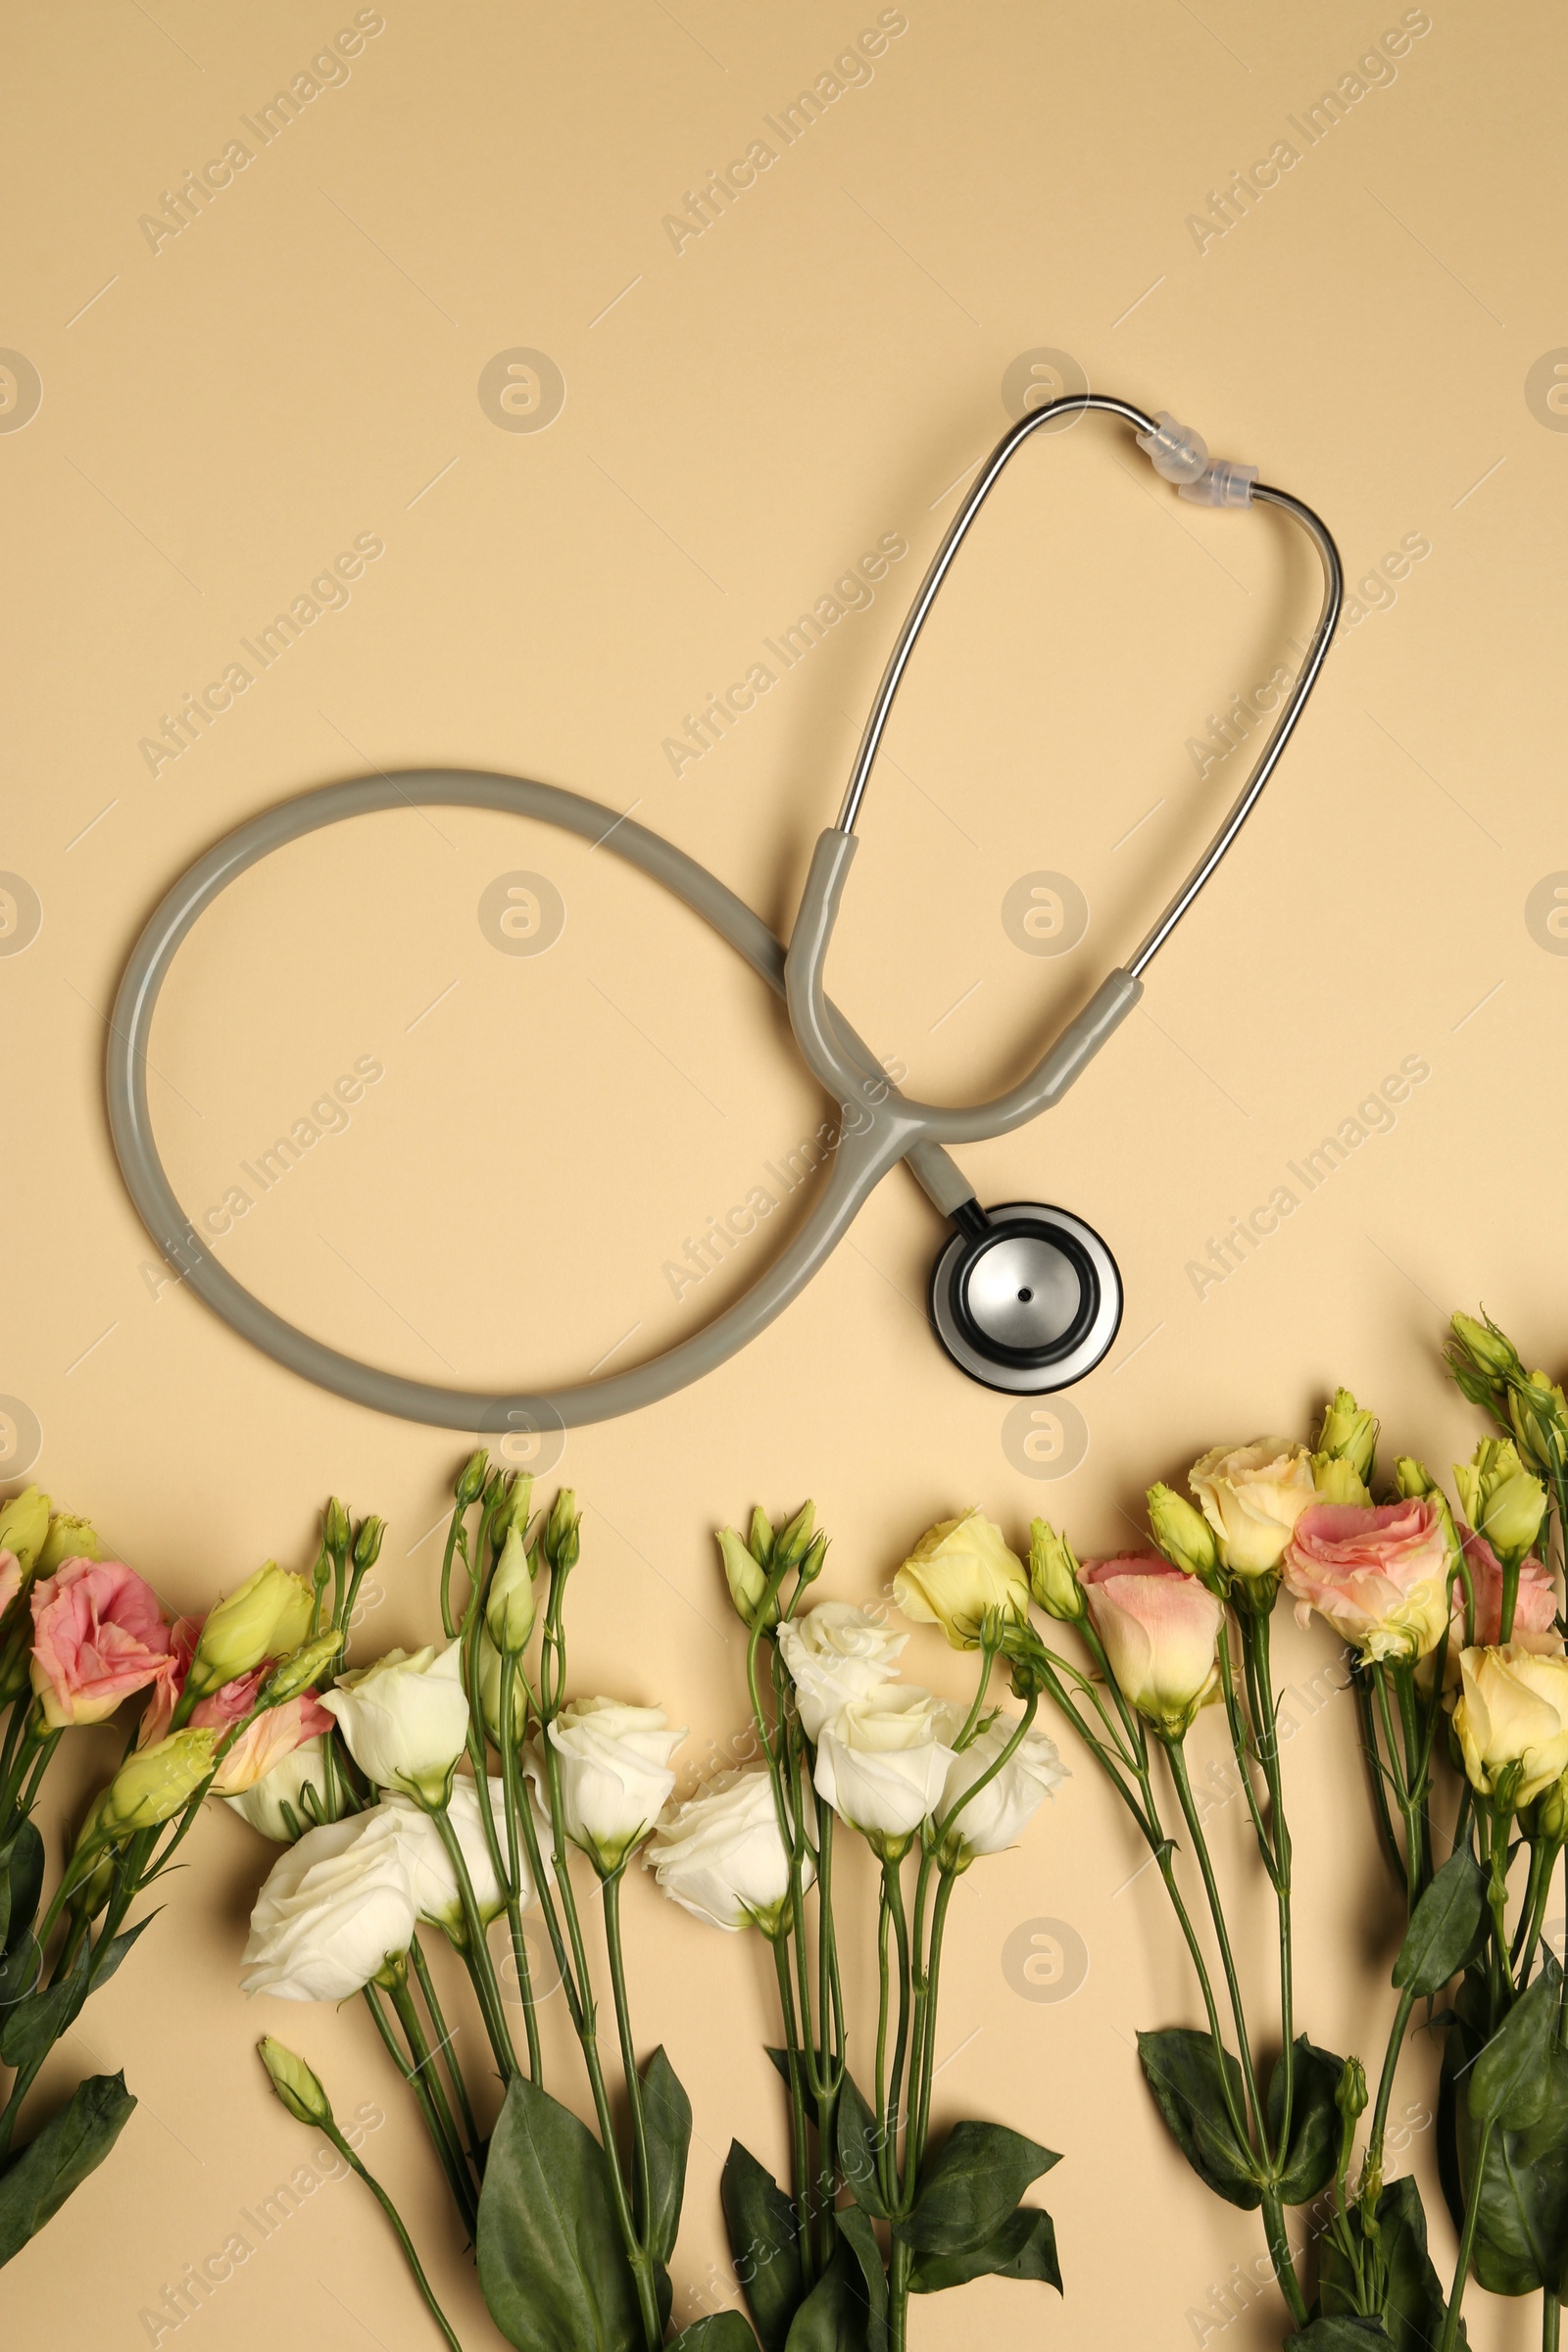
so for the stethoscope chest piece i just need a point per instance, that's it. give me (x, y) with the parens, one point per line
(1025, 1298)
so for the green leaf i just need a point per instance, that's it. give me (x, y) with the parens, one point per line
(833, 2317)
(1414, 2296)
(1314, 2145)
(35, 2023)
(781, 2060)
(764, 2244)
(551, 2262)
(107, 1957)
(1508, 2082)
(669, 2115)
(1342, 2336)
(860, 2138)
(1445, 1926)
(20, 1883)
(720, 2332)
(73, 2143)
(1521, 2236)
(1185, 2078)
(860, 2237)
(1025, 2247)
(970, 2187)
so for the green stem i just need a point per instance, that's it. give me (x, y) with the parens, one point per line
(1461, 2269)
(1391, 2061)
(629, 2050)
(475, 1950)
(802, 2154)
(403, 2240)
(1279, 2246)
(446, 2047)
(893, 1886)
(1265, 1734)
(426, 2073)
(456, 2175)
(516, 1796)
(1184, 1796)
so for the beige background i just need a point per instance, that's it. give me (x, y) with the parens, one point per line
(742, 419)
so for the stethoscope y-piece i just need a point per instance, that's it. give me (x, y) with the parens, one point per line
(1024, 1298)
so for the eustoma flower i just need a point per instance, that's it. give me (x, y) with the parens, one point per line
(405, 1718)
(960, 1571)
(264, 1617)
(435, 1882)
(720, 1856)
(1378, 1574)
(336, 1907)
(1535, 1613)
(611, 1762)
(263, 1800)
(1251, 1496)
(883, 1762)
(835, 1653)
(1511, 1721)
(998, 1815)
(1158, 1628)
(98, 1635)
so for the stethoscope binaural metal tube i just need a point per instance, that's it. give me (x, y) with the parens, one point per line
(879, 1125)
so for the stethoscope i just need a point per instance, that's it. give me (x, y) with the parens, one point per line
(1024, 1298)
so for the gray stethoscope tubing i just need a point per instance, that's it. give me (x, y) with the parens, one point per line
(879, 1125)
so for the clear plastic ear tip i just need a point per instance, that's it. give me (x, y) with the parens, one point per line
(1176, 453)
(1223, 485)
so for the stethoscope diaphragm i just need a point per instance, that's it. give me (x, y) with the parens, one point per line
(1025, 1298)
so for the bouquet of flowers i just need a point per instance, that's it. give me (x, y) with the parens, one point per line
(224, 1699)
(396, 1819)
(1455, 1634)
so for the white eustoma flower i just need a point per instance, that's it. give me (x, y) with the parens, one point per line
(261, 1803)
(435, 1882)
(335, 1906)
(721, 1857)
(613, 1763)
(405, 1718)
(835, 1653)
(996, 1818)
(882, 1762)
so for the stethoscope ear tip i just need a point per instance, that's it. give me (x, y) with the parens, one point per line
(1024, 1298)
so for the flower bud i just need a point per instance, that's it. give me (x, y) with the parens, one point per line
(68, 1538)
(1551, 1813)
(1349, 1435)
(152, 1784)
(470, 1480)
(1183, 1535)
(1350, 2095)
(793, 1544)
(811, 1568)
(1486, 1346)
(295, 2084)
(1411, 1478)
(746, 1578)
(1054, 1575)
(1539, 1412)
(514, 1508)
(266, 1617)
(301, 1670)
(761, 1535)
(1514, 1511)
(25, 1526)
(510, 1605)
(335, 1528)
(1339, 1481)
(367, 1542)
(562, 1542)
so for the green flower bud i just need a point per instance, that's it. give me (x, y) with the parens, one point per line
(1539, 1412)
(1054, 1574)
(1338, 1481)
(335, 1528)
(367, 1542)
(762, 1537)
(68, 1538)
(793, 1544)
(25, 1526)
(1183, 1535)
(1349, 2094)
(562, 1542)
(266, 1617)
(811, 1568)
(471, 1479)
(152, 1784)
(1486, 1346)
(1513, 1513)
(1551, 1813)
(514, 1508)
(295, 2084)
(746, 1578)
(1411, 1478)
(1349, 1435)
(301, 1670)
(510, 1605)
